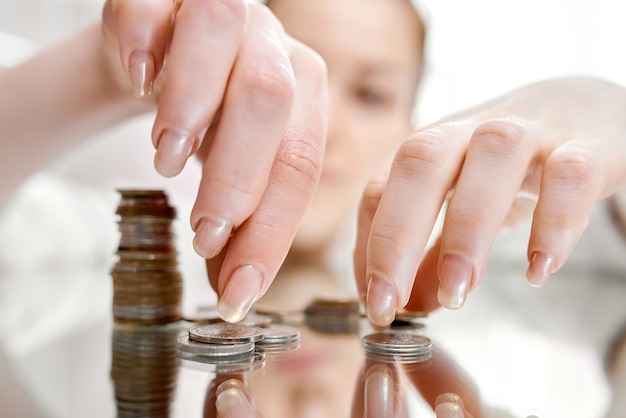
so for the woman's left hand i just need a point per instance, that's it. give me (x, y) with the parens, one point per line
(558, 144)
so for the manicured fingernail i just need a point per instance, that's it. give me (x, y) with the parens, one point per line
(449, 397)
(240, 293)
(449, 410)
(211, 236)
(232, 400)
(379, 395)
(540, 268)
(454, 281)
(381, 301)
(174, 147)
(142, 70)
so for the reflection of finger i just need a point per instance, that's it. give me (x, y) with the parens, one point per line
(232, 401)
(495, 166)
(254, 116)
(424, 169)
(572, 181)
(381, 394)
(260, 245)
(449, 410)
(205, 43)
(450, 397)
(143, 30)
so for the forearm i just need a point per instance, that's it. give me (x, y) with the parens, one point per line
(53, 102)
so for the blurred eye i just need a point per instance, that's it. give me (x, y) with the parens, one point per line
(371, 96)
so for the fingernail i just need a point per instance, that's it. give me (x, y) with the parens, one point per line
(380, 301)
(211, 236)
(240, 293)
(454, 281)
(450, 397)
(540, 268)
(379, 395)
(231, 400)
(142, 70)
(449, 410)
(173, 149)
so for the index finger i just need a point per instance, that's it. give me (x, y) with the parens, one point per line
(391, 248)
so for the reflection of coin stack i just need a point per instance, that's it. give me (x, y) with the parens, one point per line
(147, 287)
(333, 316)
(144, 369)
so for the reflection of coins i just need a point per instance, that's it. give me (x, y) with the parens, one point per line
(185, 344)
(223, 365)
(144, 369)
(225, 333)
(333, 316)
(396, 343)
(277, 334)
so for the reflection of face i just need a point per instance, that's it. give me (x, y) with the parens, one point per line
(373, 51)
(317, 381)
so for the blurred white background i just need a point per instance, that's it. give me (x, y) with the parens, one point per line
(476, 50)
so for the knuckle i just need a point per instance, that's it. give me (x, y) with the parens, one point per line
(421, 149)
(390, 242)
(577, 167)
(299, 159)
(270, 80)
(500, 135)
(243, 192)
(371, 196)
(310, 63)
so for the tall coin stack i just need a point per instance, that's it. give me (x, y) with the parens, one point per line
(147, 286)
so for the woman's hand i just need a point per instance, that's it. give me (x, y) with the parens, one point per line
(228, 81)
(557, 144)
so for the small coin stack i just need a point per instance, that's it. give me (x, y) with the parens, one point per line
(147, 286)
(333, 316)
(235, 344)
(397, 347)
(144, 369)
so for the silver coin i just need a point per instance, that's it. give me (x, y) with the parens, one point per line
(184, 344)
(279, 334)
(225, 333)
(396, 343)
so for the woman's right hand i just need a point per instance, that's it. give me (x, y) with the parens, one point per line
(224, 72)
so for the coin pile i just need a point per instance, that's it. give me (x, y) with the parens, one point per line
(144, 369)
(333, 316)
(397, 346)
(226, 343)
(147, 286)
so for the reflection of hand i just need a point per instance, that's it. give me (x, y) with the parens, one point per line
(438, 380)
(451, 405)
(559, 142)
(229, 399)
(261, 156)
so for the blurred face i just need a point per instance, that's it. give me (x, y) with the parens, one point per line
(373, 51)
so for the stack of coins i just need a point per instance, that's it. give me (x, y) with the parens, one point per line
(225, 343)
(397, 347)
(144, 369)
(147, 286)
(280, 338)
(333, 316)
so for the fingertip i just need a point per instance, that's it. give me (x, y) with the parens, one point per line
(174, 147)
(454, 281)
(381, 301)
(241, 291)
(539, 268)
